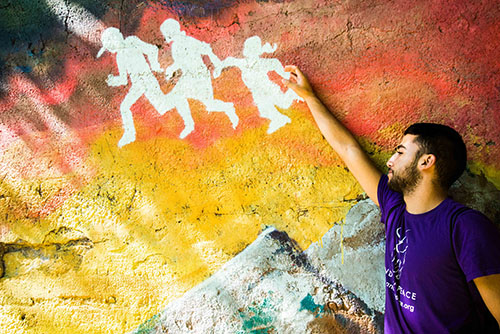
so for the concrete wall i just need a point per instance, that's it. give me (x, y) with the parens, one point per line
(101, 228)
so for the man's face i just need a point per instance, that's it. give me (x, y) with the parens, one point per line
(404, 175)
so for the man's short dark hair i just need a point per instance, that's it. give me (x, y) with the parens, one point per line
(446, 145)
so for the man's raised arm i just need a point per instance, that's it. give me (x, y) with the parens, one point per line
(342, 141)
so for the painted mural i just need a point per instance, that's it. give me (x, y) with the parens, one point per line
(136, 60)
(146, 143)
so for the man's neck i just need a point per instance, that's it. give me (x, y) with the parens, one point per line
(424, 198)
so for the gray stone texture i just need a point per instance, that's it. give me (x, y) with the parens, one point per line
(361, 238)
(270, 287)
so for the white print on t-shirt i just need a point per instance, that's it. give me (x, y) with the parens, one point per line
(399, 254)
(402, 295)
(401, 292)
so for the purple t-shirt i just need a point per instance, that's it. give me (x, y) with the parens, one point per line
(430, 262)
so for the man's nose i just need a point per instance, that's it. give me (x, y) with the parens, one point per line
(390, 163)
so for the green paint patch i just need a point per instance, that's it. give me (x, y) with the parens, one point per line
(259, 319)
(148, 326)
(308, 304)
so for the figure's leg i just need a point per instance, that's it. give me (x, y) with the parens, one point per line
(269, 111)
(160, 101)
(174, 99)
(205, 94)
(226, 107)
(278, 122)
(184, 111)
(127, 120)
(286, 99)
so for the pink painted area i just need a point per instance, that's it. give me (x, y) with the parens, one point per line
(426, 47)
(379, 65)
(60, 91)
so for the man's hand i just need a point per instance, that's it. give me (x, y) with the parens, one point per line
(341, 139)
(298, 82)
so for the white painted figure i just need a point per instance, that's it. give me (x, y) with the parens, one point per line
(137, 60)
(131, 55)
(195, 81)
(254, 72)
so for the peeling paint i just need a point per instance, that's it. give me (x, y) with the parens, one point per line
(258, 319)
(308, 304)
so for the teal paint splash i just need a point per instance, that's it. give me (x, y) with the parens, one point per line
(149, 326)
(308, 304)
(259, 319)
(24, 69)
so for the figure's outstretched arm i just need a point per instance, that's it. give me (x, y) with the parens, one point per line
(228, 62)
(342, 141)
(274, 64)
(150, 50)
(121, 79)
(169, 71)
(207, 50)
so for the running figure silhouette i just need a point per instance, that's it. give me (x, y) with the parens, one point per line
(195, 81)
(131, 55)
(254, 72)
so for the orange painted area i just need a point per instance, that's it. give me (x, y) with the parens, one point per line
(161, 213)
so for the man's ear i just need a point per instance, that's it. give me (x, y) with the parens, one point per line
(427, 161)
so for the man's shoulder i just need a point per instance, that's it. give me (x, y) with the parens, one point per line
(463, 217)
(462, 210)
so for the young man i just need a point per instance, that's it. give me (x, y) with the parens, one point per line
(442, 259)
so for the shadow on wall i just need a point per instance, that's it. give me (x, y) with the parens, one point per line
(476, 192)
(28, 28)
(38, 81)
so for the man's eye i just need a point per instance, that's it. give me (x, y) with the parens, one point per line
(399, 152)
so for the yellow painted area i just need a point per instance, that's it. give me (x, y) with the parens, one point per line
(389, 131)
(158, 218)
(491, 173)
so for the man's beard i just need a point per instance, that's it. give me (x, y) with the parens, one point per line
(407, 181)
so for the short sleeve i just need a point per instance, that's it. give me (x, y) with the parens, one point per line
(386, 197)
(477, 245)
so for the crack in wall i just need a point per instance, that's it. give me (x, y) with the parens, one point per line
(67, 249)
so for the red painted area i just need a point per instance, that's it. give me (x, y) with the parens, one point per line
(415, 62)
(60, 91)
(379, 65)
(453, 37)
(47, 145)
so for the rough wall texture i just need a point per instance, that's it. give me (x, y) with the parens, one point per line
(270, 287)
(119, 193)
